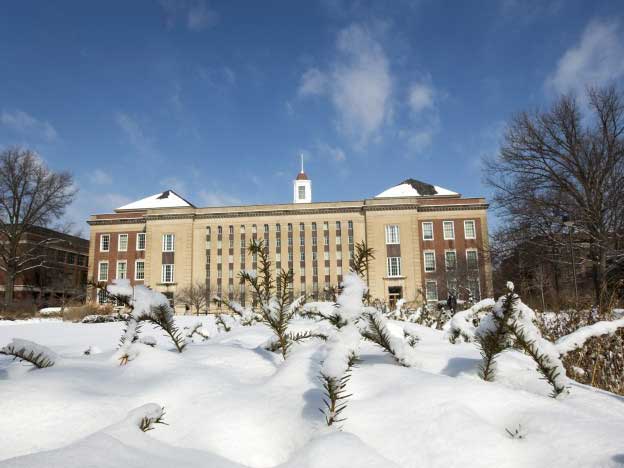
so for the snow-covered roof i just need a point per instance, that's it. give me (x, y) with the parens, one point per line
(166, 199)
(414, 188)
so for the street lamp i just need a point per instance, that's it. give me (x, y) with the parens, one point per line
(570, 224)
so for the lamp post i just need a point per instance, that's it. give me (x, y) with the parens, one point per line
(570, 225)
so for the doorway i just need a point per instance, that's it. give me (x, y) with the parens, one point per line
(394, 294)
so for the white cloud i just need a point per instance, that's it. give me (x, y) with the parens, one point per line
(26, 124)
(333, 153)
(100, 177)
(135, 134)
(597, 59)
(358, 84)
(216, 198)
(420, 97)
(313, 82)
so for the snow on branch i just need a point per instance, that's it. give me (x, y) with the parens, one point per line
(461, 325)
(38, 355)
(577, 339)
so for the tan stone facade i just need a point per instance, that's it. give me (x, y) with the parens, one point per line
(315, 240)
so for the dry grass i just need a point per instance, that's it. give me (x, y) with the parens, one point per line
(77, 313)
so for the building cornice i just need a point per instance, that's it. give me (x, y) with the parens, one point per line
(108, 222)
(295, 211)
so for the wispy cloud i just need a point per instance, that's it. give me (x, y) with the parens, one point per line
(27, 125)
(100, 177)
(597, 59)
(424, 117)
(195, 15)
(135, 134)
(217, 198)
(358, 83)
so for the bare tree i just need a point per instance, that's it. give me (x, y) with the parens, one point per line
(195, 296)
(31, 195)
(562, 168)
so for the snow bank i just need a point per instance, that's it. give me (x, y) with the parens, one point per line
(577, 339)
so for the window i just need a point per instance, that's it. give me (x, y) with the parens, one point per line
(338, 254)
(301, 226)
(230, 258)
(350, 225)
(450, 259)
(278, 257)
(254, 229)
(475, 290)
(427, 229)
(314, 270)
(350, 239)
(469, 230)
(429, 261)
(219, 230)
(122, 242)
(242, 229)
(219, 258)
(392, 234)
(313, 226)
(167, 273)
(290, 256)
(242, 244)
(325, 226)
(326, 239)
(278, 243)
(122, 269)
(472, 259)
(326, 256)
(394, 266)
(301, 240)
(302, 256)
(326, 270)
(140, 241)
(432, 290)
(104, 242)
(290, 242)
(168, 243)
(266, 228)
(338, 240)
(231, 230)
(314, 255)
(449, 230)
(289, 227)
(302, 192)
(337, 225)
(314, 240)
(139, 270)
(103, 271)
(71, 258)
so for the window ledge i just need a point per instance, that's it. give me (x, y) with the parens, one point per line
(394, 277)
(166, 284)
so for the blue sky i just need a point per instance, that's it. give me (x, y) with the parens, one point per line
(217, 99)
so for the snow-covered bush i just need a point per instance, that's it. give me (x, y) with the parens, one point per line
(376, 330)
(145, 305)
(512, 323)
(275, 305)
(38, 355)
(463, 324)
(197, 330)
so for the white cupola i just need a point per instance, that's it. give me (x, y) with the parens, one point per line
(302, 187)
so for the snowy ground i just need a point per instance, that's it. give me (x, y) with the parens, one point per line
(229, 403)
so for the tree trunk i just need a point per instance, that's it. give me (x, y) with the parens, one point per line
(9, 284)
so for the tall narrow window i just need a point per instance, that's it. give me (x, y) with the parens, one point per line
(432, 290)
(168, 244)
(472, 259)
(450, 258)
(392, 234)
(122, 269)
(302, 192)
(122, 242)
(469, 229)
(140, 241)
(427, 230)
(449, 230)
(429, 261)
(139, 270)
(394, 266)
(167, 273)
(103, 271)
(104, 242)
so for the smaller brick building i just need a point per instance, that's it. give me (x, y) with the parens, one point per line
(63, 274)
